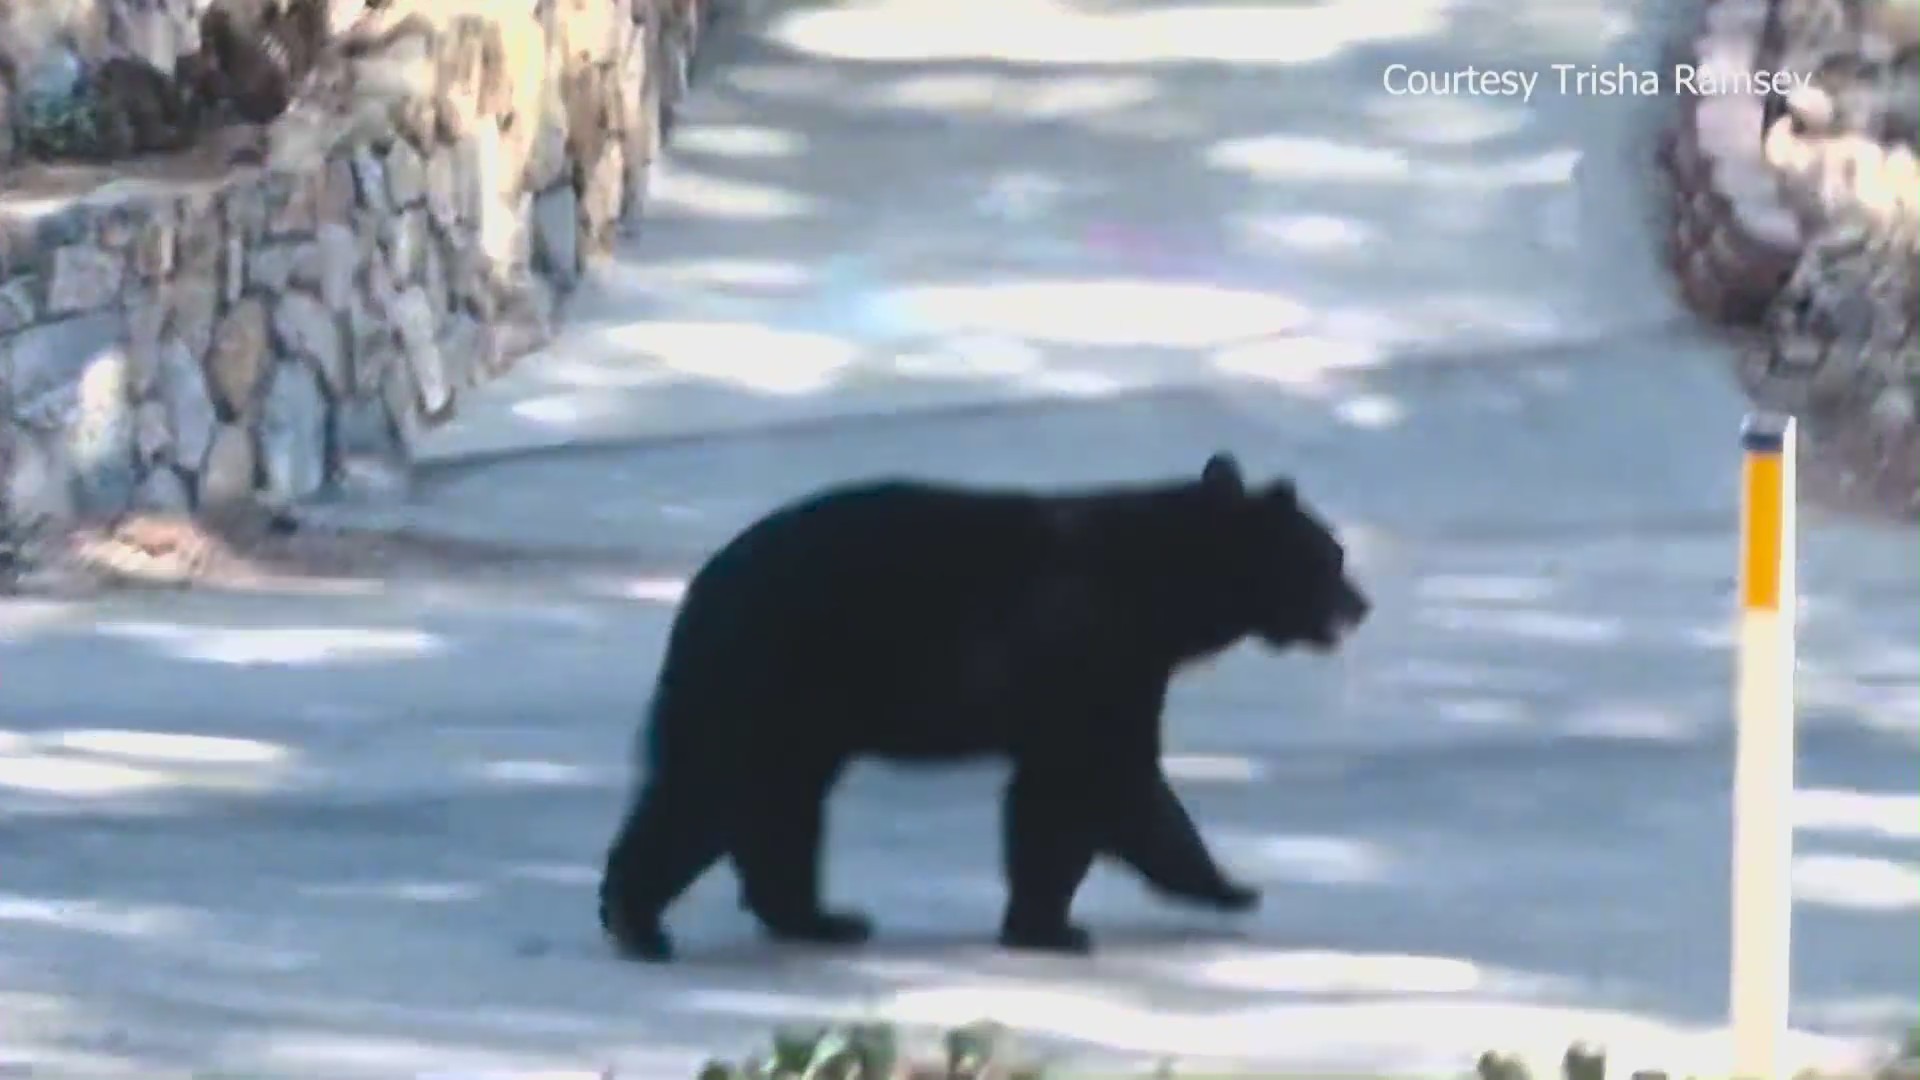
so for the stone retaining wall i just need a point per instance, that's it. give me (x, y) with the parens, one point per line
(1800, 218)
(181, 333)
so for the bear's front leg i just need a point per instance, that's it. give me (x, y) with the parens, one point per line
(1048, 844)
(1151, 831)
(778, 852)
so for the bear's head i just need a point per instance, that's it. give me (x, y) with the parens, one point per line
(1281, 570)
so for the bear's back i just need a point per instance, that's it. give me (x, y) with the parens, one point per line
(872, 574)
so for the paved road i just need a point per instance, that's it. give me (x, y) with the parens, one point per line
(355, 835)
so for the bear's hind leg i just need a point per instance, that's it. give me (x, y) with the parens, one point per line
(778, 850)
(668, 840)
(1048, 845)
(1151, 831)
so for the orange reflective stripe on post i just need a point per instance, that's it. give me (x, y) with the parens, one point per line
(1760, 533)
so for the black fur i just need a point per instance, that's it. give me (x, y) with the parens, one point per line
(917, 622)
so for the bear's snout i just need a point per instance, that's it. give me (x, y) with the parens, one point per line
(1349, 610)
(1354, 606)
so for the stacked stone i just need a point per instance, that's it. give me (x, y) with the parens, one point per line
(1845, 322)
(1734, 241)
(269, 333)
(1844, 325)
(1808, 228)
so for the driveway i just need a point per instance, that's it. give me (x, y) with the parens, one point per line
(356, 833)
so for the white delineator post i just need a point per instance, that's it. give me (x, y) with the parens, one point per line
(1764, 750)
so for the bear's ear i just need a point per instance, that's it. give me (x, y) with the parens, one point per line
(1282, 491)
(1222, 476)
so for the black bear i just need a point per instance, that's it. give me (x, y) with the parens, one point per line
(919, 622)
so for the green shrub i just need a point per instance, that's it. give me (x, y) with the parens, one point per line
(985, 1050)
(59, 125)
(980, 1051)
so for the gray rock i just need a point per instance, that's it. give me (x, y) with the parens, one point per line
(404, 237)
(270, 267)
(154, 248)
(73, 381)
(337, 190)
(373, 344)
(83, 278)
(525, 321)
(63, 225)
(100, 437)
(368, 229)
(476, 169)
(235, 278)
(641, 135)
(413, 321)
(163, 492)
(556, 236)
(146, 320)
(406, 174)
(16, 304)
(433, 278)
(443, 189)
(547, 159)
(370, 178)
(679, 71)
(373, 459)
(189, 405)
(226, 477)
(400, 396)
(201, 240)
(339, 258)
(245, 209)
(603, 199)
(1849, 316)
(293, 204)
(116, 231)
(152, 433)
(534, 303)
(238, 358)
(307, 329)
(307, 268)
(361, 428)
(1892, 411)
(49, 359)
(468, 281)
(467, 346)
(500, 217)
(293, 434)
(517, 223)
(195, 303)
(39, 481)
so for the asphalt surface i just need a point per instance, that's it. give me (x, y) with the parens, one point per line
(356, 834)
